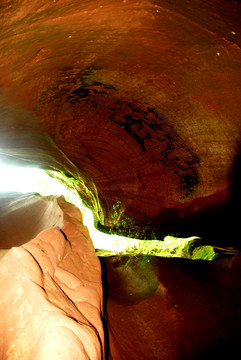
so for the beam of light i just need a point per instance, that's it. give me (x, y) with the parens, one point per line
(25, 180)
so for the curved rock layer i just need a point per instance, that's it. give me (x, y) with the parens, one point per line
(140, 100)
(51, 294)
(155, 308)
(144, 97)
(173, 309)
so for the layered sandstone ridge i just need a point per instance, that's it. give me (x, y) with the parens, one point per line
(142, 97)
(140, 101)
(51, 294)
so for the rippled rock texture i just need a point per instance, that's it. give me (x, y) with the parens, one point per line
(142, 97)
(51, 300)
(140, 101)
(51, 292)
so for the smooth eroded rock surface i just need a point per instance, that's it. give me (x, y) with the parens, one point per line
(24, 216)
(51, 295)
(155, 308)
(173, 309)
(143, 97)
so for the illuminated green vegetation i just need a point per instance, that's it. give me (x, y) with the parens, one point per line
(170, 246)
(124, 225)
(132, 241)
(204, 252)
(88, 199)
(124, 238)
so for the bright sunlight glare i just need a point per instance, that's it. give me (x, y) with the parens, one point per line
(27, 179)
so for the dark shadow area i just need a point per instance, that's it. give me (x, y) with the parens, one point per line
(105, 285)
(226, 349)
(218, 224)
(199, 300)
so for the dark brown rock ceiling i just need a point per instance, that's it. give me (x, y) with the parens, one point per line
(141, 101)
(143, 97)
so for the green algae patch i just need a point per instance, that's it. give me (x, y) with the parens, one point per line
(124, 238)
(204, 253)
(170, 246)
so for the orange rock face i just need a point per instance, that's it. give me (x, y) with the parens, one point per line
(155, 308)
(51, 295)
(144, 97)
(141, 101)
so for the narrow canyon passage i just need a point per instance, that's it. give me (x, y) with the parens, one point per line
(138, 103)
(53, 305)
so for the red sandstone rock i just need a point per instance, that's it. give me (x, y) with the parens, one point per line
(51, 295)
(173, 309)
(156, 308)
(144, 97)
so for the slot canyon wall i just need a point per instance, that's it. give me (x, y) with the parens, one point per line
(143, 97)
(52, 306)
(140, 101)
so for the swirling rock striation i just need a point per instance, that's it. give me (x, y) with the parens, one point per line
(51, 294)
(142, 97)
